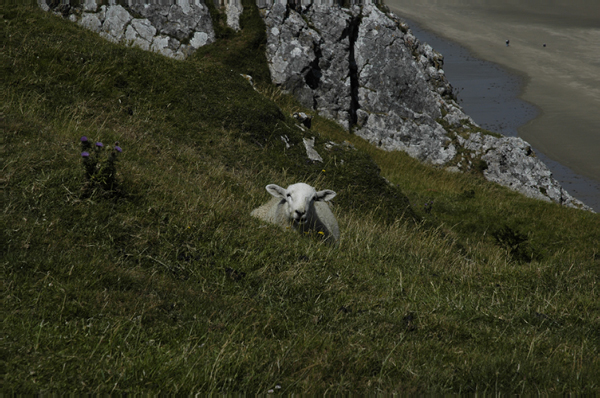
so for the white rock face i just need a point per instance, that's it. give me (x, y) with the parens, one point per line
(511, 162)
(399, 107)
(163, 28)
(311, 62)
(364, 69)
(353, 66)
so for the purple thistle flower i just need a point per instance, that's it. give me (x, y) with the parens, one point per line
(85, 154)
(118, 149)
(99, 144)
(84, 139)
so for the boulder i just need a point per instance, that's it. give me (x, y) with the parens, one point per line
(140, 33)
(115, 22)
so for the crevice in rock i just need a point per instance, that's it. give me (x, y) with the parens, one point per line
(286, 15)
(314, 74)
(353, 70)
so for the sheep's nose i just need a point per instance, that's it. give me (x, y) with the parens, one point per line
(300, 214)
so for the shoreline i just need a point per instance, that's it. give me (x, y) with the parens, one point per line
(488, 93)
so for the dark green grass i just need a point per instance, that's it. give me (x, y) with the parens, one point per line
(167, 285)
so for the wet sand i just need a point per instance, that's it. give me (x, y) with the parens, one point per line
(562, 79)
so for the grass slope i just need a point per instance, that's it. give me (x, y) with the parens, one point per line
(442, 282)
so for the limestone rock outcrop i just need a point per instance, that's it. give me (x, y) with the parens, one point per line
(311, 62)
(511, 162)
(353, 66)
(397, 106)
(174, 31)
(363, 68)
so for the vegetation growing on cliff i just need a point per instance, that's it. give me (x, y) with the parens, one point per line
(163, 283)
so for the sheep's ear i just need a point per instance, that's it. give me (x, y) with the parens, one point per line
(325, 195)
(276, 191)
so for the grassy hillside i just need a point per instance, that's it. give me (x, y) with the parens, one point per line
(161, 282)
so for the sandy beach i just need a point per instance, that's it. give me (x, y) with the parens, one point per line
(562, 78)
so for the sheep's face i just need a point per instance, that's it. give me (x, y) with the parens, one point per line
(299, 199)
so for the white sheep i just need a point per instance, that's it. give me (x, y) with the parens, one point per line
(301, 207)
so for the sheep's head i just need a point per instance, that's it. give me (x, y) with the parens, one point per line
(299, 199)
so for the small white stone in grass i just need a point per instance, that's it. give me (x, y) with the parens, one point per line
(270, 391)
(278, 387)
